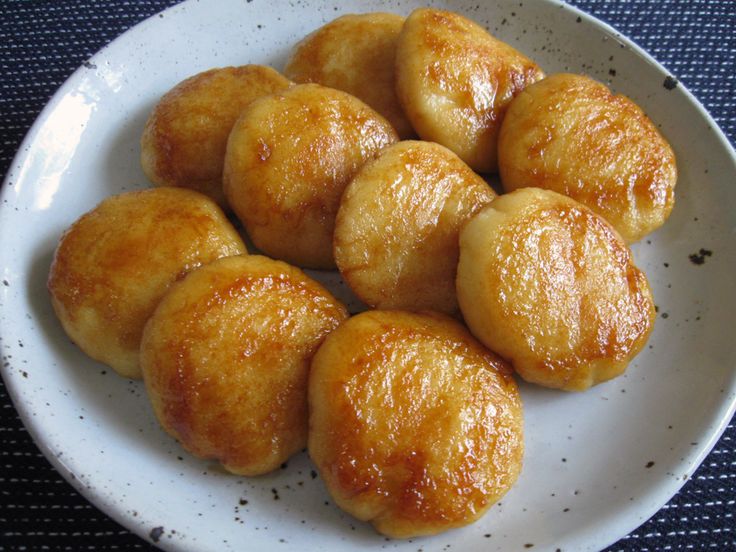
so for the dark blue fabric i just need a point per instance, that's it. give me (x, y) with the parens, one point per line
(43, 42)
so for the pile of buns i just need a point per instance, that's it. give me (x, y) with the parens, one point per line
(366, 156)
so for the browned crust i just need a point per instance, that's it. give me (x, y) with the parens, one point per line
(416, 447)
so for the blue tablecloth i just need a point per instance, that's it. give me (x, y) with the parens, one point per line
(43, 42)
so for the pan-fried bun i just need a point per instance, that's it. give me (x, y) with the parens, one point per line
(551, 286)
(288, 160)
(455, 81)
(570, 134)
(113, 265)
(183, 142)
(396, 233)
(226, 355)
(356, 54)
(414, 426)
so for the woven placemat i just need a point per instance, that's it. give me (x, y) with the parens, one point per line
(43, 42)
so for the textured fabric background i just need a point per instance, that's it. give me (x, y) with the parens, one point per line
(43, 42)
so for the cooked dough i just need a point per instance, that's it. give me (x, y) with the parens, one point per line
(414, 426)
(226, 357)
(113, 265)
(184, 140)
(289, 158)
(550, 286)
(396, 233)
(570, 134)
(455, 81)
(356, 54)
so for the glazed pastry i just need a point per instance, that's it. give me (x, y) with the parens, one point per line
(551, 287)
(184, 139)
(356, 54)
(225, 360)
(113, 265)
(570, 134)
(455, 82)
(414, 426)
(289, 158)
(396, 233)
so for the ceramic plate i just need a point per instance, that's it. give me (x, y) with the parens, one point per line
(597, 465)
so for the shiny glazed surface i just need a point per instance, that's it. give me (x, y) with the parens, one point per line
(550, 286)
(183, 142)
(288, 160)
(226, 355)
(570, 134)
(455, 82)
(356, 54)
(414, 426)
(396, 233)
(113, 265)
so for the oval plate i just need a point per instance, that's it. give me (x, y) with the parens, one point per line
(598, 464)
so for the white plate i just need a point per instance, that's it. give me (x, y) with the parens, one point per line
(598, 464)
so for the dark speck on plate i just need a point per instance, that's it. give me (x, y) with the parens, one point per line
(670, 82)
(649, 464)
(699, 257)
(156, 533)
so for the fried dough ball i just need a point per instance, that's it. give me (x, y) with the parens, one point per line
(414, 426)
(356, 54)
(226, 355)
(184, 140)
(289, 158)
(455, 81)
(570, 134)
(551, 286)
(113, 265)
(396, 233)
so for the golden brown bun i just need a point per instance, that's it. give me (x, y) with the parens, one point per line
(356, 54)
(396, 233)
(184, 140)
(226, 356)
(289, 158)
(550, 286)
(569, 134)
(455, 81)
(113, 265)
(414, 426)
